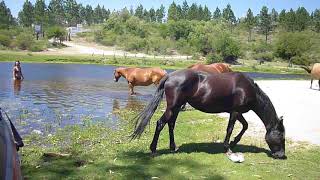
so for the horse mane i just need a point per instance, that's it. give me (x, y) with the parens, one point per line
(264, 105)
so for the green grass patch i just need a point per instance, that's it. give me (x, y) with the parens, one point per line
(99, 152)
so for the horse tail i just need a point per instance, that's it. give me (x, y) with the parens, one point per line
(308, 69)
(143, 118)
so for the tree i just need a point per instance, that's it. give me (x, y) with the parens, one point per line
(193, 12)
(160, 13)
(139, 12)
(71, 9)
(274, 17)
(265, 22)
(6, 18)
(146, 15)
(282, 18)
(179, 12)
(82, 13)
(57, 32)
(206, 14)
(97, 15)
(56, 13)
(217, 14)
(316, 20)
(302, 19)
(228, 14)
(26, 15)
(172, 12)
(250, 22)
(185, 9)
(89, 15)
(290, 20)
(41, 13)
(152, 14)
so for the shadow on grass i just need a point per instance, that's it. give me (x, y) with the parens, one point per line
(210, 148)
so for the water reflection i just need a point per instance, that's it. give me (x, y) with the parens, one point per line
(17, 86)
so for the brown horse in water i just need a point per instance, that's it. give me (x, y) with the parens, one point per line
(314, 71)
(212, 68)
(139, 76)
(213, 93)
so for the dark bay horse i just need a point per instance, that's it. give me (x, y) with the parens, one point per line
(212, 68)
(213, 93)
(139, 76)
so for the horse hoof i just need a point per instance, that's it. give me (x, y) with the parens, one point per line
(153, 154)
(175, 150)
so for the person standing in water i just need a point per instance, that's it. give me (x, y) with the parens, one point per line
(17, 72)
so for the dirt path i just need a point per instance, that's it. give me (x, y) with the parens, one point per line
(77, 47)
(297, 103)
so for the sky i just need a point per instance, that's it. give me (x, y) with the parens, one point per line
(239, 7)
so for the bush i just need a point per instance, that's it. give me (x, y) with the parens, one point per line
(5, 40)
(264, 56)
(292, 44)
(301, 60)
(213, 58)
(261, 47)
(227, 47)
(24, 40)
(56, 32)
(38, 46)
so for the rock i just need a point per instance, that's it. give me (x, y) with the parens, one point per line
(37, 132)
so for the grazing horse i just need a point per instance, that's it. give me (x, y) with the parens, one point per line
(212, 68)
(139, 76)
(314, 71)
(234, 93)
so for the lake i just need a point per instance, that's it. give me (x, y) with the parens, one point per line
(56, 95)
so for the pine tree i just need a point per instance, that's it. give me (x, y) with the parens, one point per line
(228, 14)
(200, 13)
(41, 13)
(160, 13)
(89, 15)
(290, 20)
(71, 9)
(193, 12)
(6, 18)
(217, 14)
(250, 22)
(97, 15)
(265, 22)
(82, 13)
(185, 9)
(146, 15)
(316, 20)
(274, 17)
(26, 15)
(206, 14)
(179, 13)
(172, 12)
(56, 13)
(139, 12)
(152, 14)
(302, 19)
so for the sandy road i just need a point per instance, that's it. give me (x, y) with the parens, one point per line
(297, 103)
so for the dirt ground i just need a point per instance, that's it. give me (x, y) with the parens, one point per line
(297, 103)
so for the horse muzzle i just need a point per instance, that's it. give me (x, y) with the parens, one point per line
(279, 155)
(115, 80)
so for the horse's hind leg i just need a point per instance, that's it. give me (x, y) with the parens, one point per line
(160, 124)
(171, 125)
(244, 128)
(319, 84)
(311, 83)
(232, 120)
(131, 88)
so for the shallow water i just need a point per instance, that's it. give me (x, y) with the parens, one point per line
(56, 95)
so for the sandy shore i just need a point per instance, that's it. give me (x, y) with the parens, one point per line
(297, 103)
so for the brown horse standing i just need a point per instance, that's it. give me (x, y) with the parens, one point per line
(212, 68)
(139, 76)
(314, 71)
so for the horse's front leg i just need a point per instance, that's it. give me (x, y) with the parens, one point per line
(244, 128)
(130, 84)
(232, 120)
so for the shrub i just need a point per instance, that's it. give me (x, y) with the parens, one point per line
(5, 40)
(213, 58)
(264, 56)
(56, 32)
(227, 47)
(292, 44)
(301, 60)
(24, 40)
(38, 46)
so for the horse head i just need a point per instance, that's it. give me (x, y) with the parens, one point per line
(117, 75)
(275, 138)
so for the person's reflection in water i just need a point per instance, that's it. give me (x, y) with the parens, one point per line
(17, 86)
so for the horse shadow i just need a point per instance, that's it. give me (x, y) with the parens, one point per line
(214, 148)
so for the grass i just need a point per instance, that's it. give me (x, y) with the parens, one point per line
(98, 152)
(249, 65)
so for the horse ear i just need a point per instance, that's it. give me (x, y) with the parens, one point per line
(281, 119)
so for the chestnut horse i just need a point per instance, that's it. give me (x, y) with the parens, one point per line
(234, 93)
(139, 76)
(314, 71)
(212, 68)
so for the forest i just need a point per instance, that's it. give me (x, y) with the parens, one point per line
(189, 29)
